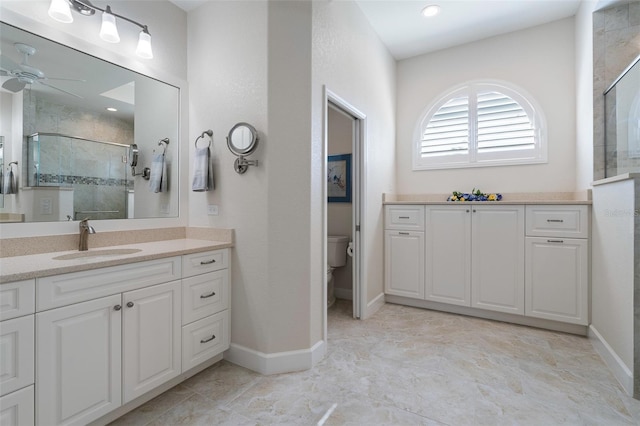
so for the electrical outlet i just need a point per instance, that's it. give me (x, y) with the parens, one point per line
(212, 210)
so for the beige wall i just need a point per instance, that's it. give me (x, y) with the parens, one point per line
(539, 60)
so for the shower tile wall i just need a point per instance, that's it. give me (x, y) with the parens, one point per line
(96, 171)
(616, 42)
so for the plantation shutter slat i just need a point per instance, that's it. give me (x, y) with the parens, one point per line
(448, 130)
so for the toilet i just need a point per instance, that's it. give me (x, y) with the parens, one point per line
(336, 257)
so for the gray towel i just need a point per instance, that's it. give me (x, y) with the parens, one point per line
(158, 179)
(9, 185)
(202, 171)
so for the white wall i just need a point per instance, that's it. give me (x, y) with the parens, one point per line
(167, 25)
(584, 95)
(540, 60)
(350, 60)
(612, 288)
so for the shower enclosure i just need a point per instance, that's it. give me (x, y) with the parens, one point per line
(95, 171)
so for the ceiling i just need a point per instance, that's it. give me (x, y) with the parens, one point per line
(407, 33)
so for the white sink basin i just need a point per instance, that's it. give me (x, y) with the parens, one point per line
(96, 253)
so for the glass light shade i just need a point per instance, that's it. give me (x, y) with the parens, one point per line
(109, 31)
(60, 11)
(144, 45)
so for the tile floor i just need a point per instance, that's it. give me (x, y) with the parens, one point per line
(408, 366)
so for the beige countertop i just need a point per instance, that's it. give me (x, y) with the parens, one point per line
(26, 267)
(530, 198)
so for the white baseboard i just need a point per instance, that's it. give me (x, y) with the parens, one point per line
(373, 306)
(275, 363)
(613, 361)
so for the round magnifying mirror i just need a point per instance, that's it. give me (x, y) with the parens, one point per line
(242, 139)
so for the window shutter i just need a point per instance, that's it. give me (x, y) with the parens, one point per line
(448, 129)
(502, 124)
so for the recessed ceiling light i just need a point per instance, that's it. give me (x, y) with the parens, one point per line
(112, 109)
(431, 10)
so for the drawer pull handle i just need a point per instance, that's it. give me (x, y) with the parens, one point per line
(206, 296)
(555, 241)
(130, 305)
(208, 262)
(117, 307)
(404, 217)
(555, 220)
(213, 336)
(403, 233)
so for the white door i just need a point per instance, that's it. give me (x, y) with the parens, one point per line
(151, 345)
(497, 258)
(448, 254)
(78, 354)
(404, 263)
(556, 282)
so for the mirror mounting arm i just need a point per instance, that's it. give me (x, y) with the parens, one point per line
(242, 164)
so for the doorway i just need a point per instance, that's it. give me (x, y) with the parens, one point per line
(344, 136)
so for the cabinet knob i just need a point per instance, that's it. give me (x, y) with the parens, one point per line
(117, 308)
(130, 305)
(467, 210)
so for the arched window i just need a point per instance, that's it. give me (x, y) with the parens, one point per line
(481, 123)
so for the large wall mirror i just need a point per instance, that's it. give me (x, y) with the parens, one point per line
(68, 119)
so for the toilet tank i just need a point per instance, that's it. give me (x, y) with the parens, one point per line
(337, 250)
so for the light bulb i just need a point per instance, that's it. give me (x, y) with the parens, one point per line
(60, 11)
(431, 10)
(144, 45)
(109, 31)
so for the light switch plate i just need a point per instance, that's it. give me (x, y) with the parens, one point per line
(212, 210)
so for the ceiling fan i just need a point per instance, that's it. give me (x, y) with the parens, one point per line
(24, 73)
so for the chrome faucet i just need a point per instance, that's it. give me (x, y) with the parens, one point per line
(85, 230)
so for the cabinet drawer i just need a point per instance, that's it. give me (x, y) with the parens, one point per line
(204, 295)
(17, 408)
(404, 217)
(201, 263)
(61, 290)
(558, 221)
(16, 354)
(204, 339)
(17, 299)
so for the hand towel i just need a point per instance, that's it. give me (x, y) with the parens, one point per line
(158, 179)
(9, 186)
(202, 171)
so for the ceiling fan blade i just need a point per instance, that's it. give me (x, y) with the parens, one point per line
(13, 85)
(57, 88)
(4, 73)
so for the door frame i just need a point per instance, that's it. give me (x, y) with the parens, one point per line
(331, 99)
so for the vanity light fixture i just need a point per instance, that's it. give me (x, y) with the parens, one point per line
(431, 10)
(60, 10)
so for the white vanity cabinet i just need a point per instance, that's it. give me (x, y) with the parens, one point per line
(108, 336)
(17, 307)
(404, 251)
(557, 250)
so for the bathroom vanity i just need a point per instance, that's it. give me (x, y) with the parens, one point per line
(91, 337)
(518, 261)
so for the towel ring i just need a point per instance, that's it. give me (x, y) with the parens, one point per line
(206, 132)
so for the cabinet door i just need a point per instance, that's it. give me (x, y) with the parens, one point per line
(448, 254)
(556, 279)
(151, 338)
(404, 263)
(78, 360)
(497, 258)
(16, 353)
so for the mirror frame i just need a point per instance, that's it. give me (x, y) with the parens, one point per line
(252, 145)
